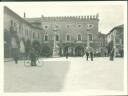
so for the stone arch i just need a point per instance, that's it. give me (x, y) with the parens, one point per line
(37, 46)
(79, 51)
(46, 51)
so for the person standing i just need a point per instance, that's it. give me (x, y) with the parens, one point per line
(112, 55)
(91, 53)
(87, 55)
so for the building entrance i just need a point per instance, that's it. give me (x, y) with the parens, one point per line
(46, 51)
(79, 51)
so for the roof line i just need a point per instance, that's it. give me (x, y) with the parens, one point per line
(6, 9)
(119, 26)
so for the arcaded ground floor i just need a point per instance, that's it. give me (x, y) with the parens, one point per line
(64, 75)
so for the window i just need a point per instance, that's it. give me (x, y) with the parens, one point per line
(46, 27)
(11, 22)
(101, 44)
(68, 26)
(68, 37)
(56, 26)
(89, 26)
(46, 38)
(14, 23)
(33, 35)
(90, 37)
(57, 37)
(27, 33)
(79, 38)
(79, 25)
(38, 35)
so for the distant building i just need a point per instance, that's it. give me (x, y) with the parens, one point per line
(102, 44)
(115, 39)
(74, 32)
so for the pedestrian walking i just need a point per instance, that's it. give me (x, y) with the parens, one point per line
(87, 55)
(91, 53)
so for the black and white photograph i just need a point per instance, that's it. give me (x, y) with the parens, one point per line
(65, 47)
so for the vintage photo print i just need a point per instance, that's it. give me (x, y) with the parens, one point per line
(64, 47)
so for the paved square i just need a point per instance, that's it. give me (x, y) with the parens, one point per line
(60, 74)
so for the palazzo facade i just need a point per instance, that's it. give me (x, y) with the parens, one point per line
(55, 34)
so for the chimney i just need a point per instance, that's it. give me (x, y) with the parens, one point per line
(24, 15)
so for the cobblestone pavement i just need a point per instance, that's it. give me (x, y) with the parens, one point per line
(61, 74)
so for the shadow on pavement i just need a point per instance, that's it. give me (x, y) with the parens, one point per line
(48, 78)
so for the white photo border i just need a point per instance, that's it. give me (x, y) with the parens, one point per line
(82, 93)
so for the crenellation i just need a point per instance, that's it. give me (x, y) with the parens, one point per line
(82, 17)
(62, 18)
(91, 17)
(87, 17)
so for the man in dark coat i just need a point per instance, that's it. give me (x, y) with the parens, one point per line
(87, 55)
(91, 55)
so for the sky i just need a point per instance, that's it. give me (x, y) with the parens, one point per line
(111, 14)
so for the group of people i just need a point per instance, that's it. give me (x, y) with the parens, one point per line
(91, 55)
(33, 56)
(89, 52)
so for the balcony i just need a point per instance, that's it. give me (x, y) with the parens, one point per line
(79, 41)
